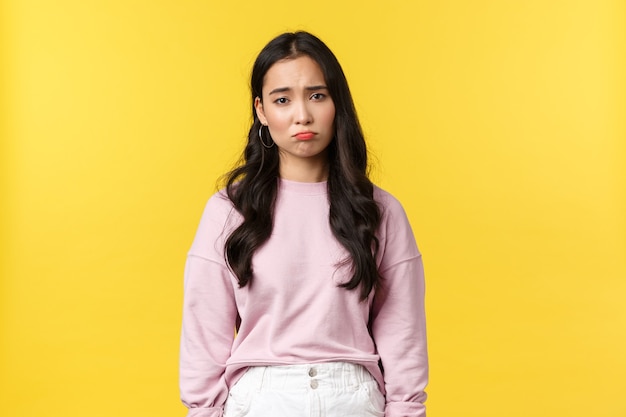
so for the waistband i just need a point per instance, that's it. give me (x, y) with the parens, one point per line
(337, 376)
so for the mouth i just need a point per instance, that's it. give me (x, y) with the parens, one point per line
(304, 135)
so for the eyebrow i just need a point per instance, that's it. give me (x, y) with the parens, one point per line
(285, 89)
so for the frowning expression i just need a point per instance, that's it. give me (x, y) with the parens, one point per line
(297, 109)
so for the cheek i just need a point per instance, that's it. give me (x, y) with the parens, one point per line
(330, 119)
(327, 116)
(276, 121)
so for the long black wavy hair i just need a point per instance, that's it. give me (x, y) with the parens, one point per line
(354, 216)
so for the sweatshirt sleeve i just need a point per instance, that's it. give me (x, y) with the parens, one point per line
(398, 318)
(209, 318)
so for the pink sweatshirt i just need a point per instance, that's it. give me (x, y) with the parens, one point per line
(293, 312)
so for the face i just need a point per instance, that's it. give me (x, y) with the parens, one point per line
(298, 111)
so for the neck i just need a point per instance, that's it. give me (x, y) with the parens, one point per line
(304, 170)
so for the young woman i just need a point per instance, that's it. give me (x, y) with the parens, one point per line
(314, 266)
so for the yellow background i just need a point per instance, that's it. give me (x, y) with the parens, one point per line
(499, 125)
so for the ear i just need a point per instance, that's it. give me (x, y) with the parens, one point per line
(258, 106)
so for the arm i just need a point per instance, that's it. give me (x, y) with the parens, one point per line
(399, 331)
(209, 317)
(398, 318)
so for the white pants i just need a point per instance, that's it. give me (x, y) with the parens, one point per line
(337, 389)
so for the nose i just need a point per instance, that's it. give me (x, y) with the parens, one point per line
(303, 114)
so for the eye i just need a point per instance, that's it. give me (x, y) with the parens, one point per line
(318, 96)
(281, 100)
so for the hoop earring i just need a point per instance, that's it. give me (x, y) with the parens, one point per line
(261, 139)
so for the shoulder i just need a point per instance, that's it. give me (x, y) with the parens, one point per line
(395, 232)
(219, 202)
(219, 209)
(218, 220)
(390, 206)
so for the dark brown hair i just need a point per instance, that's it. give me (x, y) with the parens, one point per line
(354, 216)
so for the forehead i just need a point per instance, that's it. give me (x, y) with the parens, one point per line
(297, 72)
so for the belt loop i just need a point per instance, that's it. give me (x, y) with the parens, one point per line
(349, 377)
(262, 379)
(360, 371)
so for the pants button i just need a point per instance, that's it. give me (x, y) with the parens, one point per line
(314, 383)
(312, 372)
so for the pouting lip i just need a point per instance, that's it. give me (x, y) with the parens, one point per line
(306, 133)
